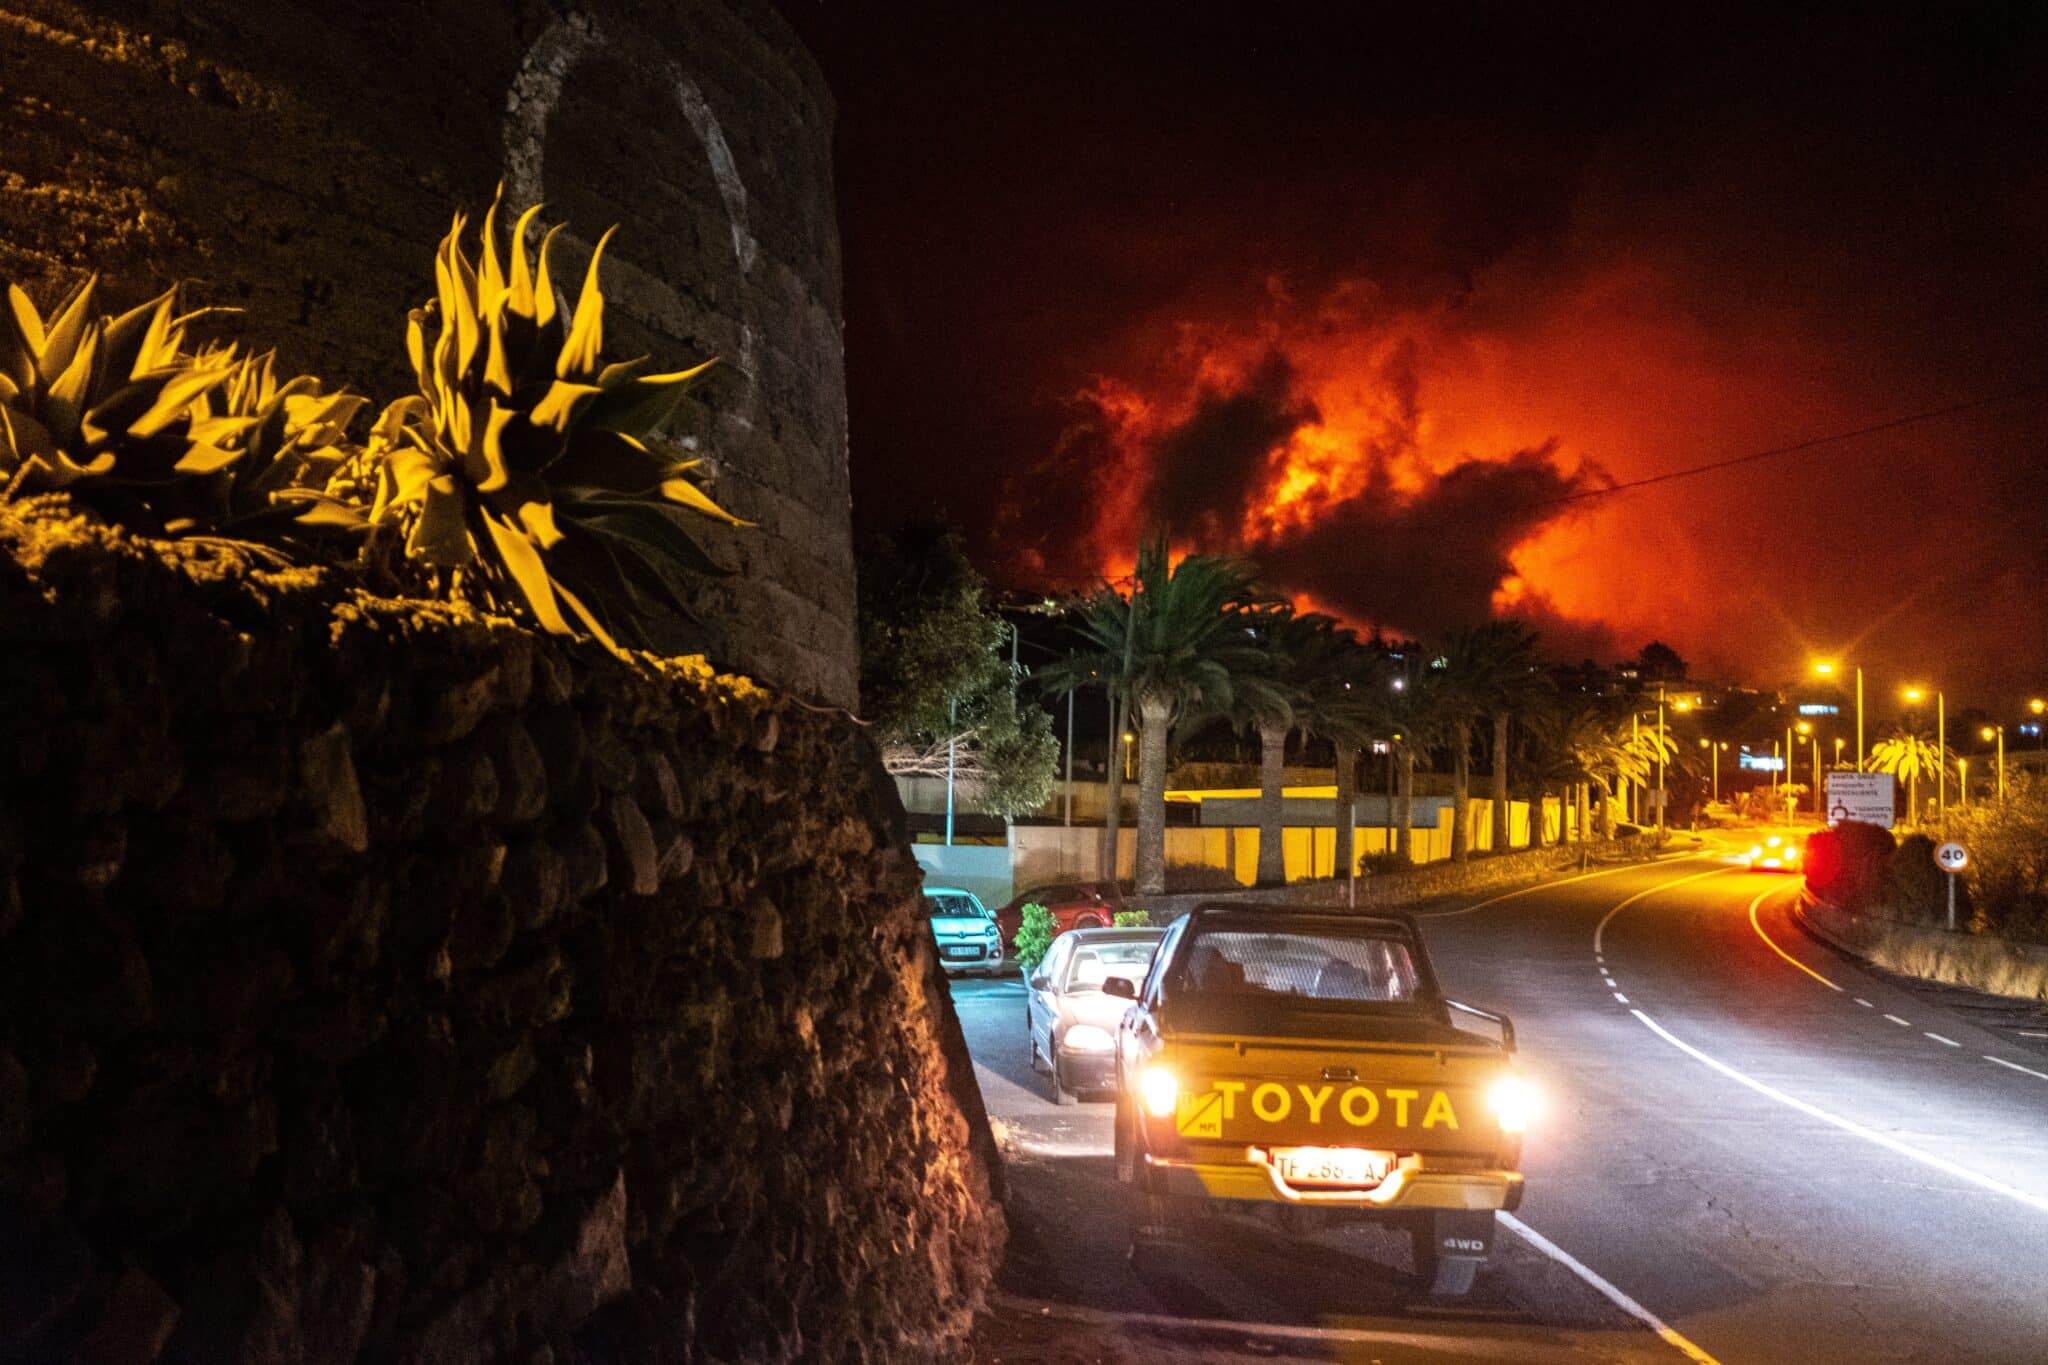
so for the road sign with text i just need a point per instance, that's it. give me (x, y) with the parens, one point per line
(1863, 797)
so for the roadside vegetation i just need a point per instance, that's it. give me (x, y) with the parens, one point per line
(2003, 892)
(1200, 640)
(525, 473)
(939, 685)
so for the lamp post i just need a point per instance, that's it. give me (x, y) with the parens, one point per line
(1714, 758)
(1661, 798)
(1963, 781)
(1827, 669)
(1128, 738)
(1997, 732)
(1806, 729)
(2037, 706)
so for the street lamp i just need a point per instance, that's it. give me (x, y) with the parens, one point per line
(1963, 780)
(1806, 728)
(1997, 732)
(1827, 669)
(2037, 706)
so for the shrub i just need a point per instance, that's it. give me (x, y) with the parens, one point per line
(1380, 864)
(2008, 874)
(1035, 933)
(1132, 919)
(1846, 864)
(1915, 889)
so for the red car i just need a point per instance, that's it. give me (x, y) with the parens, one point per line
(1074, 905)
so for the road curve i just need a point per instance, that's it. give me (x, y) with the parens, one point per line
(1753, 1149)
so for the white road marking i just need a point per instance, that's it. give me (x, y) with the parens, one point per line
(1607, 1287)
(1865, 1003)
(1545, 886)
(1850, 1126)
(1622, 998)
(1601, 928)
(1939, 1039)
(2031, 1033)
(2016, 1066)
(1902, 1023)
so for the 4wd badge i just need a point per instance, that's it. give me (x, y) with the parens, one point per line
(1199, 1116)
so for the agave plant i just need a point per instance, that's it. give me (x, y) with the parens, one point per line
(110, 403)
(117, 413)
(524, 461)
(293, 453)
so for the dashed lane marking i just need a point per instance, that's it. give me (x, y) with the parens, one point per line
(1771, 943)
(1605, 1286)
(1622, 998)
(2015, 1066)
(1601, 928)
(1947, 1042)
(2037, 1202)
(1902, 1023)
(1865, 1003)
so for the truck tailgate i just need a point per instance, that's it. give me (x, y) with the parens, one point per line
(1402, 1098)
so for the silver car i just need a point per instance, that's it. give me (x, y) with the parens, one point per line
(1068, 1019)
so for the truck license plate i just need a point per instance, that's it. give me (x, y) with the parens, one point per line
(1331, 1165)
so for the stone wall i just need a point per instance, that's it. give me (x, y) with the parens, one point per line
(298, 159)
(379, 982)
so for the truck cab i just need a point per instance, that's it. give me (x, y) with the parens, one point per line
(1307, 1058)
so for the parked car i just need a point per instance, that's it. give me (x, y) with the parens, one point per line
(964, 930)
(1074, 905)
(1069, 1023)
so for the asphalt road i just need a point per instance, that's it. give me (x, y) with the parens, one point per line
(1752, 1150)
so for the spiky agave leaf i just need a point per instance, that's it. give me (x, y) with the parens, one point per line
(524, 454)
(110, 409)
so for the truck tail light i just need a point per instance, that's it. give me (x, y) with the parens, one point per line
(1159, 1090)
(1514, 1102)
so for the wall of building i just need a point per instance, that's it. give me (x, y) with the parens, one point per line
(297, 161)
(380, 983)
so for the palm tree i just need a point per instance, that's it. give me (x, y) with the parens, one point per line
(1906, 756)
(1177, 646)
(1487, 673)
(1317, 681)
(1420, 722)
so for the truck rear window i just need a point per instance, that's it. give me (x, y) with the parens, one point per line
(1300, 966)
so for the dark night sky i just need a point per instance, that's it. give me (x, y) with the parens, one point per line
(1366, 289)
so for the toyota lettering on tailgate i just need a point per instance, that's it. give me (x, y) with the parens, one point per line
(1202, 1113)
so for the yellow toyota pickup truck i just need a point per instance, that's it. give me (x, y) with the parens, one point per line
(1306, 1058)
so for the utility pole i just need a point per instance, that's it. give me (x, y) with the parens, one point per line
(1662, 798)
(952, 713)
(1941, 758)
(1068, 818)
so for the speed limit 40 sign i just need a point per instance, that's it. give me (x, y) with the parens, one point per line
(1952, 857)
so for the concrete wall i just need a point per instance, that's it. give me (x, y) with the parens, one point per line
(297, 160)
(1047, 853)
(984, 869)
(381, 983)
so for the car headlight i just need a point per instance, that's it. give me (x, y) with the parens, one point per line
(1158, 1089)
(1755, 853)
(1514, 1102)
(1086, 1038)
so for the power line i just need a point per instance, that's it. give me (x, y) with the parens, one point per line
(1911, 419)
